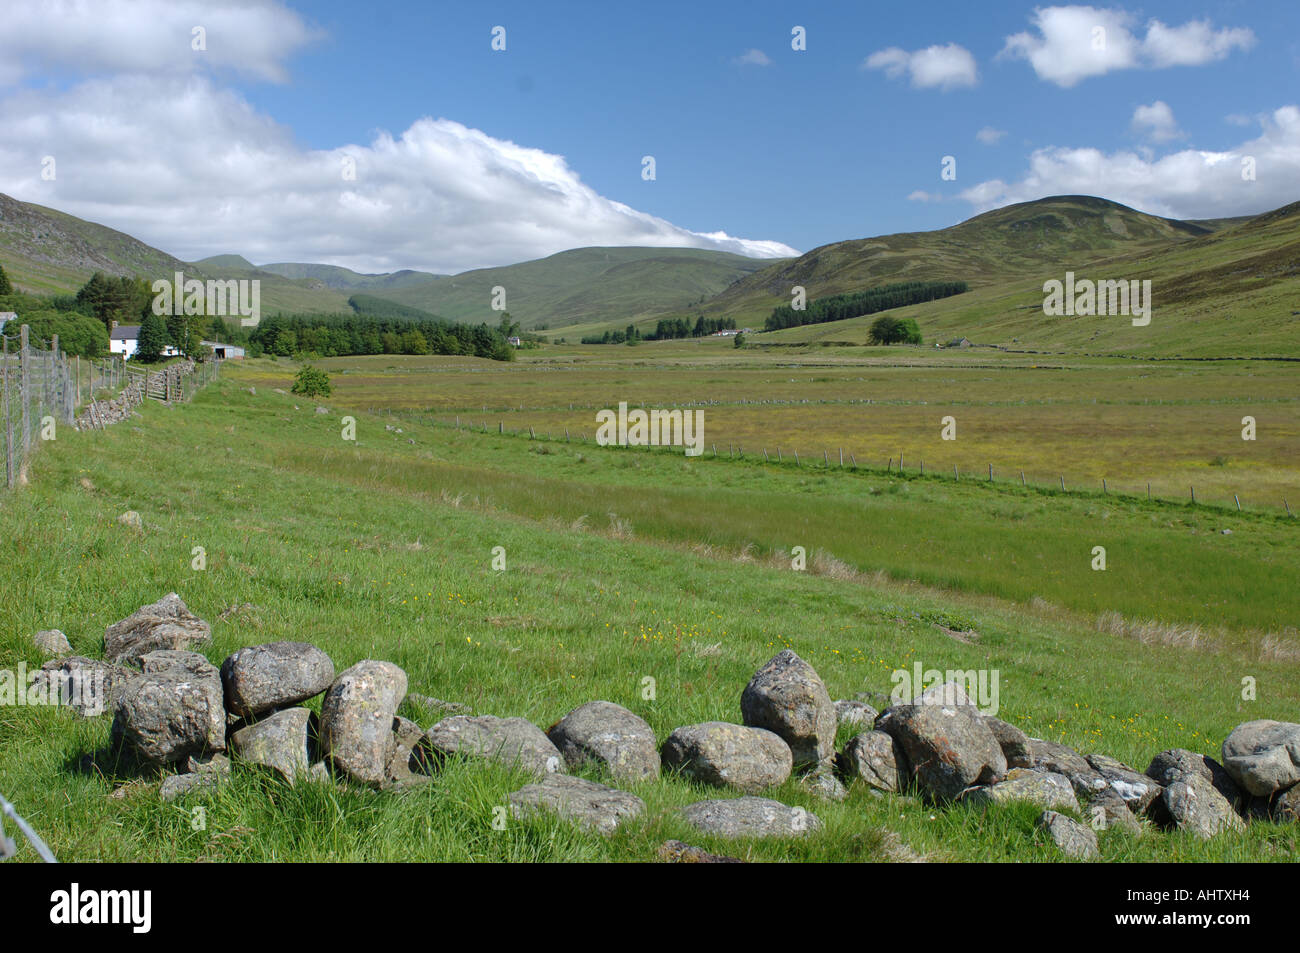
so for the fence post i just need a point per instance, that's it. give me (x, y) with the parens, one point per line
(24, 384)
(9, 427)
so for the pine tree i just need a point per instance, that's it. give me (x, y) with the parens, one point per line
(153, 340)
(5, 287)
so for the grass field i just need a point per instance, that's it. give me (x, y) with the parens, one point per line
(621, 565)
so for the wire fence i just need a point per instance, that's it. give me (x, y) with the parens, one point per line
(7, 846)
(41, 388)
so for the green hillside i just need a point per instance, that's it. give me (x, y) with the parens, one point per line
(583, 286)
(1229, 293)
(1017, 240)
(345, 279)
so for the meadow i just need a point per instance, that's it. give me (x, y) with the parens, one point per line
(622, 565)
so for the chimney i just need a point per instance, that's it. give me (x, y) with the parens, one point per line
(112, 325)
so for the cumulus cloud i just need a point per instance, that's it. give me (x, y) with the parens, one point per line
(753, 58)
(1190, 183)
(990, 136)
(920, 195)
(1072, 43)
(1156, 122)
(947, 67)
(193, 169)
(249, 37)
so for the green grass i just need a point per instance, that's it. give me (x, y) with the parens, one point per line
(382, 549)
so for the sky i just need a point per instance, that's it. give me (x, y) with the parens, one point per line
(381, 136)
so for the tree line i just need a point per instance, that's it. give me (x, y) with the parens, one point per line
(338, 335)
(857, 303)
(665, 329)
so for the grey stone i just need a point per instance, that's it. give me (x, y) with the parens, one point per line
(356, 725)
(87, 686)
(1137, 790)
(1263, 756)
(1013, 741)
(738, 756)
(1193, 804)
(1174, 764)
(1071, 838)
(52, 643)
(1108, 811)
(177, 660)
(199, 775)
(611, 736)
(261, 678)
(281, 742)
(131, 519)
(589, 805)
(750, 817)
(876, 759)
(948, 744)
(515, 742)
(1045, 789)
(411, 757)
(676, 852)
(1286, 805)
(168, 716)
(1051, 756)
(787, 697)
(851, 712)
(821, 782)
(166, 624)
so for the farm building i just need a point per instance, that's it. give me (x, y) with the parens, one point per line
(224, 352)
(124, 339)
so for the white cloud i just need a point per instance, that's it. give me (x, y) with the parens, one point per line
(195, 170)
(1156, 122)
(920, 195)
(1072, 43)
(251, 37)
(1186, 184)
(990, 136)
(946, 67)
(753, 58)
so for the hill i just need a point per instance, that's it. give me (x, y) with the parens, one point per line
(345, 279)
(583, 286)
(1012, 241)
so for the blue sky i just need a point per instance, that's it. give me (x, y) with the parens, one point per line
(771, 146)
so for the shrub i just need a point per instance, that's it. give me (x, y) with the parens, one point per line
(312, 382)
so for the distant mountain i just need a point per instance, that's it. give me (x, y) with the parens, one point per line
(987, 249)
(345, 279)
(583, 286)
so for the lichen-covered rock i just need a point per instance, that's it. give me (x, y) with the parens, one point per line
(609, 735)
(1174, 764)
(1137, 790)
(1071, 838)
(1286, 805)
(1108, 811)
(356, 724)
(262, 678)
(87, 686)
(281, 742)
(1263, 756)
(589, 805)
(948, 744)
(52, 643)
(170, 715)
(165, 624)
(786, 696)
(1193, 804)
(1013, 741)
(821, 782)
(750, 817)
(411, 758)
(715, 752)
(853, 713)
(1051, 756)
(515, 742)
(676, 852)
(199, 775)
(1045, 789)
(876, 759)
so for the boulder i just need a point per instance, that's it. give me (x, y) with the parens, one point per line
(876, 759)
(1174, 764)
(1193, 804)
(411, 757)
(131, 519)
(169, 715)
(750, 817)
(52, 643)
(675, 852)
(262, 678)
(87, 686)
(1045, 789)
(516, 742)
(201, 776)
(715, 752)
(1137, 790)
(356, 723)
(947, 742)
(1108, 811)
(1286, 806)
(611, 736)
(177, 660)
(587, 804)
(1263, 756)
(281, 742)
(1013, 741)
(166, 624)
(821, 782)
(787, 698)
(1070, 837)
(854, 713)
(1051, 756)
